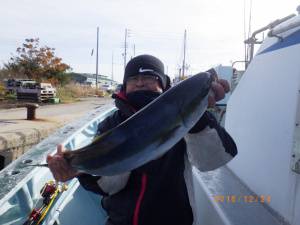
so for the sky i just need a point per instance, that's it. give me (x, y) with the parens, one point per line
(215, 30)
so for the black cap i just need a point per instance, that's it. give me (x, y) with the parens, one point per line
(146, 65)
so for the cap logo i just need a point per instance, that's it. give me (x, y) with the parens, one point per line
(141, 70)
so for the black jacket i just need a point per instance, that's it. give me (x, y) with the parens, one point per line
(155, 193)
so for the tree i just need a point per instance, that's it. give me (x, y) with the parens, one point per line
(39, 63)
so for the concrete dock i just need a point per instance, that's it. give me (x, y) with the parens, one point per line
(17, 134)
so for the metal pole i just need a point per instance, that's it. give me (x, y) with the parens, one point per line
(134, 50)
(112, 66)
(184, 47)
(125, 48)
(97, 58)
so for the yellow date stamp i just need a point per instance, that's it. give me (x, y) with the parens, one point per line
(242, 198)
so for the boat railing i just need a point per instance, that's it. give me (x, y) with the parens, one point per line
(21, 184)
(253, 40)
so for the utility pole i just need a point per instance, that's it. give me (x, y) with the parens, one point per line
(184, 49)
(97, 58)
(125, 48)
(179, 73)
(112, 66)
(133, 50)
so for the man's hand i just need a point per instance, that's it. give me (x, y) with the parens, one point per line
(59, 167)
(219, 88)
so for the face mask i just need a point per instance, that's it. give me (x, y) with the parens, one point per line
(139, 99)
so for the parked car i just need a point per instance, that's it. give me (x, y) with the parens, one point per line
(107, 87)
(27, 89)
(47, 91)
(118, 88)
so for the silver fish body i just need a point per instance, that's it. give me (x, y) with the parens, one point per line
(147, 134)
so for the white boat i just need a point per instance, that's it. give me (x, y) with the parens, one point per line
(260, 186)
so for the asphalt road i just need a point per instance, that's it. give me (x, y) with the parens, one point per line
(49, 115)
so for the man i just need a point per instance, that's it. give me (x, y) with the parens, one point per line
(155, 193)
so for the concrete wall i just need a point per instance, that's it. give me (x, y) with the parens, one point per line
(14, 143)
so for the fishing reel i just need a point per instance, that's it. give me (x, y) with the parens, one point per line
(50, 192)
